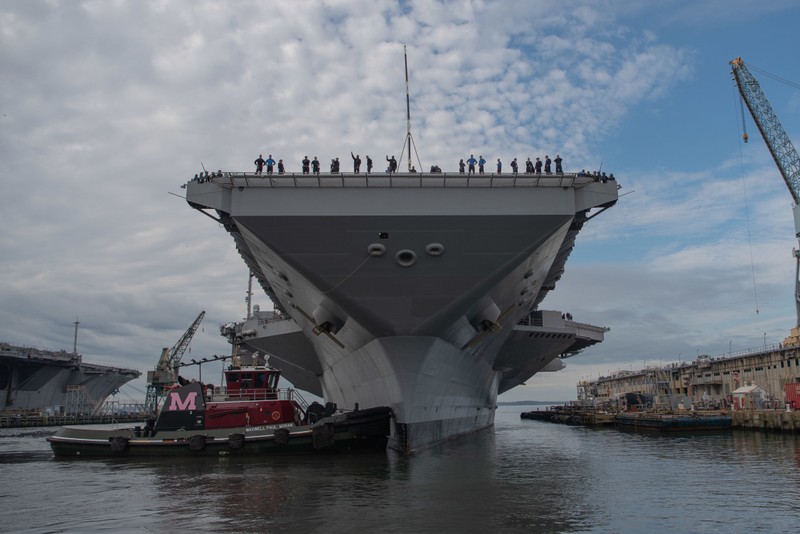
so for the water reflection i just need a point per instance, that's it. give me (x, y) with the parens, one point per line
(463, 484)
(521, 476)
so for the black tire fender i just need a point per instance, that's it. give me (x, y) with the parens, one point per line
(281, 436)
(197, 442)
(119, 444)
(235, 441)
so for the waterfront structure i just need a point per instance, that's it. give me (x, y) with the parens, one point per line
(708, 381)
(415, 291)
(34, 379)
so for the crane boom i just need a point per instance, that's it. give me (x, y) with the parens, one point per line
(774, 135)
(165, 373)
(782, 150)
(180, 347)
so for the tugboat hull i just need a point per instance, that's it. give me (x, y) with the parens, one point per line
(353, 431)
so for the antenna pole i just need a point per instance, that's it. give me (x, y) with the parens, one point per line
(408, 110)
(249, 298)
(75, 339)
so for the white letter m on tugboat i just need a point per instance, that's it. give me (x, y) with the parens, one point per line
(175, 402)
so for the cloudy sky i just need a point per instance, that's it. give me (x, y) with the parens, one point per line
(109, 106)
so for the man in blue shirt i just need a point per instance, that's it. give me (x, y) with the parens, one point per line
(481, 163)
(270, 164)
(471, 162)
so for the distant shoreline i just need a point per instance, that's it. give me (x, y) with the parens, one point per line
(529, 402)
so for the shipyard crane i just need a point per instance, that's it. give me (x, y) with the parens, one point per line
(165, 373)
(779, 145)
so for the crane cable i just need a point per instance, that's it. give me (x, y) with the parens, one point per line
(744, 123)
(744, 190)
(773, 76)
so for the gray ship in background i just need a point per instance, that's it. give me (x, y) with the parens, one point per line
(34, 379)
(418, 291)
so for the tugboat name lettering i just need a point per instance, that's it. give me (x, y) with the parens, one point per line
(175, 402)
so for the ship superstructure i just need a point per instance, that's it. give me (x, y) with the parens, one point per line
(34, 379)
(415, 291)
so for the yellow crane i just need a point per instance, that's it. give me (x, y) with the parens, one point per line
(165, 373)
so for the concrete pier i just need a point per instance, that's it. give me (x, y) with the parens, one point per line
(770, 420)
(33, 420)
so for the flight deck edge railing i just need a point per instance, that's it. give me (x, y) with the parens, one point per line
(399, 180)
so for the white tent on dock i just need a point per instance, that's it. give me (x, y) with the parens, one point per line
(750, 397)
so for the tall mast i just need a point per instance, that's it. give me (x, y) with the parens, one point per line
(249, 298)
(75, 339)
(408, 110)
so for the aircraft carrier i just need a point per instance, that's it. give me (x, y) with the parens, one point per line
(34, 379)
(418, 291)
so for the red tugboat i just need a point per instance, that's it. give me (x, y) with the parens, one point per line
(248, 415)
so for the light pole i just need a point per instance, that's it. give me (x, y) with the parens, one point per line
(765, 341)
(730, 348)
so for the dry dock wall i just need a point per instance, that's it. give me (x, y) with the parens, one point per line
(773, 420)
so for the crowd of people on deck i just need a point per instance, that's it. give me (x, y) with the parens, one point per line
(471, 166)
(468, 167)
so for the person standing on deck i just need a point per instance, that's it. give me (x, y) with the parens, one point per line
(558, 164)
(546, 164)
(538, 166)
(392, 164)
(369, 164)
(461, 166)
(471, 162)
(499, 166)
(281, 168)
(306, 164)
(270, 164)
(356, 163)
(514, 166)
(315, 165)
(259, 163)
(481, 163)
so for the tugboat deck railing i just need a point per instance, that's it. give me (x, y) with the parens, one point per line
(222, 393)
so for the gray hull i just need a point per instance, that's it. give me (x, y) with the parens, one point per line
(32, 379)
(418, 292)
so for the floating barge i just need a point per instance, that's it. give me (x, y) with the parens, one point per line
(571, 416)
(634, 420)
(672, 422)
(767, 420)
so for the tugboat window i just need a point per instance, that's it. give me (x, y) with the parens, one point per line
(261, 380)
(383, 235)
(247, 381)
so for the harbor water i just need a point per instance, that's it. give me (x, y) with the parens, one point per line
(520, 476)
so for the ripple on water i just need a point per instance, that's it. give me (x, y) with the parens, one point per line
(521, 476)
